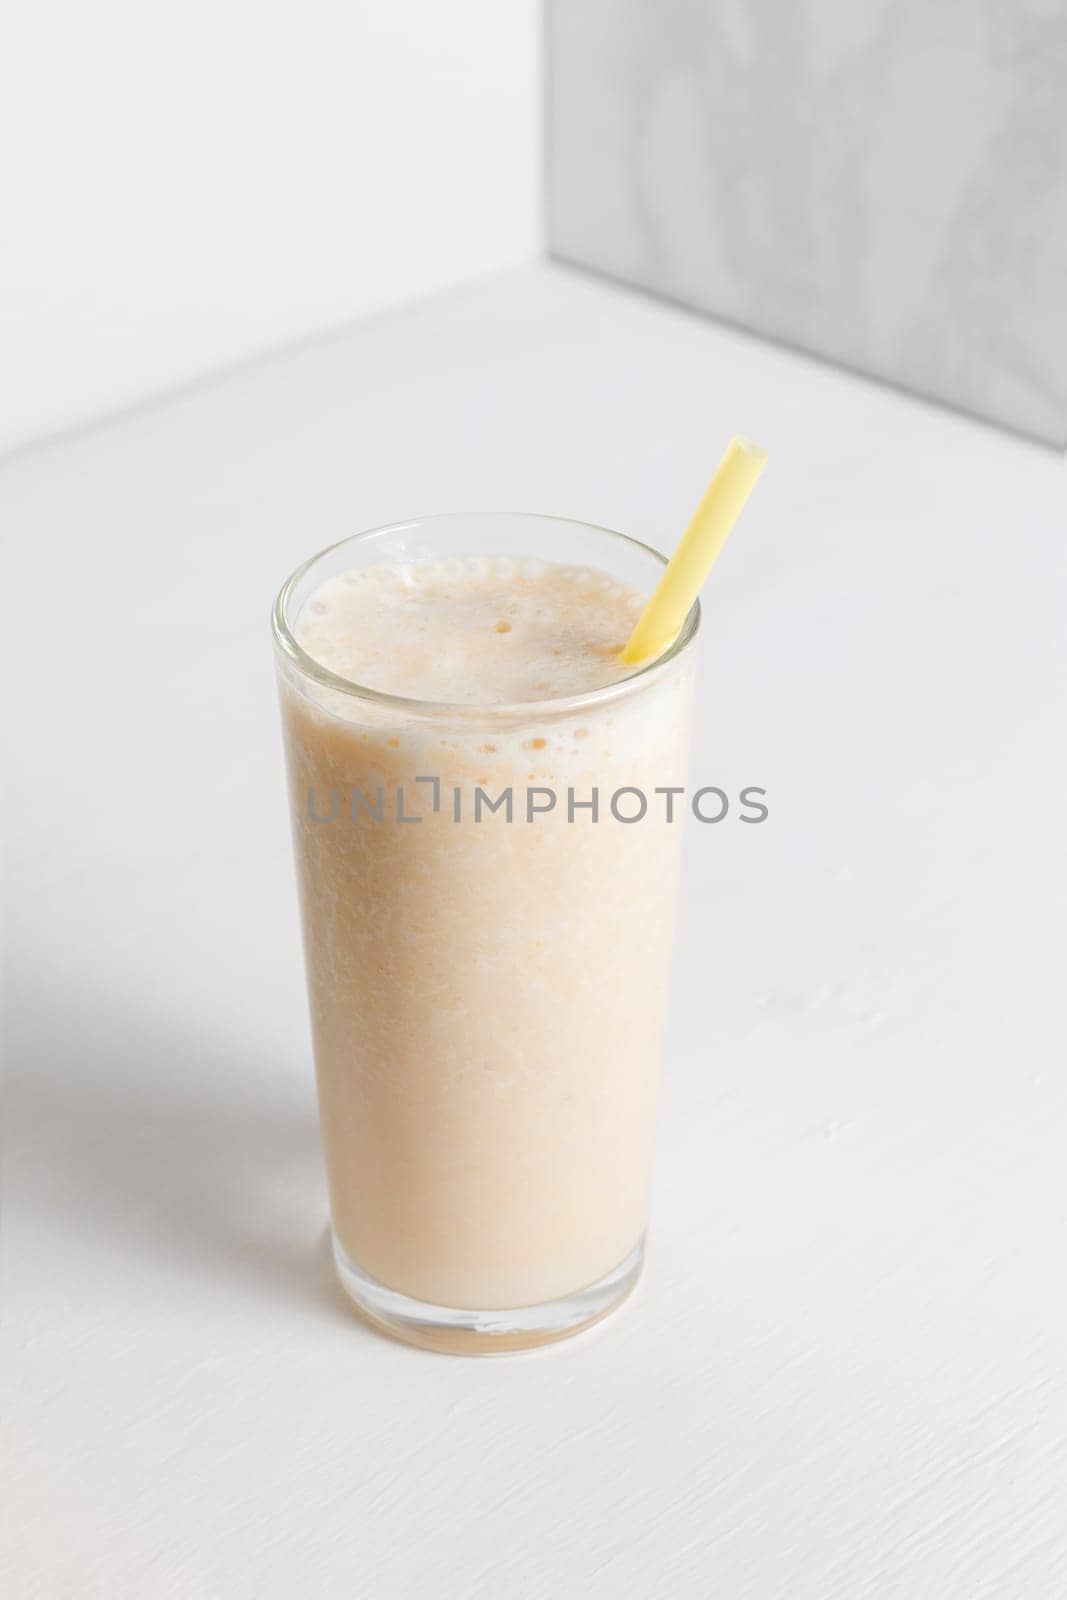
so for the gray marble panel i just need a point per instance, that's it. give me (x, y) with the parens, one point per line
(881, 182)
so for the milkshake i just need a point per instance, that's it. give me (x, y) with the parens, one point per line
(487, 881)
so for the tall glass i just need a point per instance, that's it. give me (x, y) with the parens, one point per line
(488, 900)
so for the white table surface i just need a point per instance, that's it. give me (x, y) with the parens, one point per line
(842, 1377)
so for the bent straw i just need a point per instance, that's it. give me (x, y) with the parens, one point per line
(698, 549)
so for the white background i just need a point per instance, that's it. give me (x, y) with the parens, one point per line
(185, 185)
(842, 1377)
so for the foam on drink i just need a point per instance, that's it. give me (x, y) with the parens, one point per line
(475, 631)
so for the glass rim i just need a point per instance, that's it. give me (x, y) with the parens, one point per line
(287, 643)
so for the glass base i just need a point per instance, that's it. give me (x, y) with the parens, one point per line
(485, 1333)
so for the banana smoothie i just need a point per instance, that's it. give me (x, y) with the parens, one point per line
(487, 881)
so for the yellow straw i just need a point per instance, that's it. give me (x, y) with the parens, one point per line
(698, 549)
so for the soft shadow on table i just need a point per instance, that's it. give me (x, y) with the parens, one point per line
(127, 1130)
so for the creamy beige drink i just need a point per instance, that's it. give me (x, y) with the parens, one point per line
(487, 990)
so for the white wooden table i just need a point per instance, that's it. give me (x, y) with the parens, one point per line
(843, 1375)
